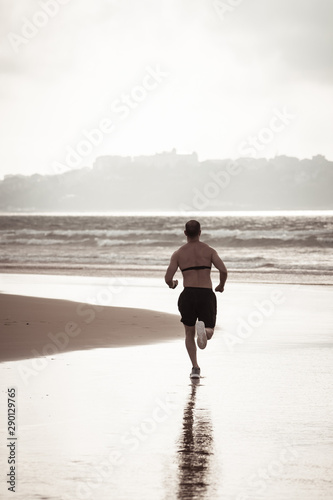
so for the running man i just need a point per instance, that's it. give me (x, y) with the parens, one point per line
(197, 301)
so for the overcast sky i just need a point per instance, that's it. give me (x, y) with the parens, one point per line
(224, 79)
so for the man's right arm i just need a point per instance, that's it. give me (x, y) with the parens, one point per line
(219, 264)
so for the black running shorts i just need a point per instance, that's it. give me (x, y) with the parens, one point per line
(197, 303)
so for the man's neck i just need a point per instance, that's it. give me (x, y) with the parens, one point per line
(193, 240)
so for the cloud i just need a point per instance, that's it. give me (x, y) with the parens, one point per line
(297, 34)
(225, 76)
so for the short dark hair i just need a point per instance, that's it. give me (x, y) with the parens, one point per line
(192, 228)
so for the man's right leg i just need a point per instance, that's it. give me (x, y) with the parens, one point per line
(209, 332)
(190, 344)
(208, 310)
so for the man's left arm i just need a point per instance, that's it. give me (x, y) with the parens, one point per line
(173, 266)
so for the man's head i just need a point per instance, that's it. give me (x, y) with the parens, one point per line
(192, 229)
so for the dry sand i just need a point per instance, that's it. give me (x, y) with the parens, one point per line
(37, 326)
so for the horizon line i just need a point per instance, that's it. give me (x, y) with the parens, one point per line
(166, 213)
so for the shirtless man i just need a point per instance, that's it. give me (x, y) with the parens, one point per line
(197, 301)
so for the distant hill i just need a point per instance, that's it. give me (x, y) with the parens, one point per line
(170, 181)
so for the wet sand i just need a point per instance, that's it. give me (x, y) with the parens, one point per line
(105, 423)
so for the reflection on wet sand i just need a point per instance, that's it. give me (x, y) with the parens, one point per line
(195, 450)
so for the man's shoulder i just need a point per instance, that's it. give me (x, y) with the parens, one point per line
(183, 247)
(178, 251)
(207, 247)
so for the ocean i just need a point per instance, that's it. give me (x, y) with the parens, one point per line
(287, 246)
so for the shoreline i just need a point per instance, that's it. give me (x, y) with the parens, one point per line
(234, 276)
(47, 315)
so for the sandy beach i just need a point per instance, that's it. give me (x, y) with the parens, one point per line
(106, 409)
(76, 326)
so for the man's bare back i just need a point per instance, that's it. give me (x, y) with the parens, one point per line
(197, 254)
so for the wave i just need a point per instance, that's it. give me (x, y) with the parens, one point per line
(72, 233)
(226, 242)
(229, 233)
(111, 243)
(273, 241)
(269, 234)
(94, 242)
(32, 241)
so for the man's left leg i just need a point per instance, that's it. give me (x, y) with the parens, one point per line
(190, 344)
